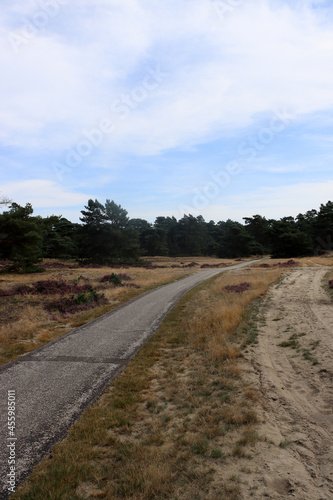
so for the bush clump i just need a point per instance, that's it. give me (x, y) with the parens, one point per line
(45, 287)
(116, 279)
(82, 301)
(241, 287)
(289, 263)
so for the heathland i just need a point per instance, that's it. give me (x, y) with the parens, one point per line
(227, 398)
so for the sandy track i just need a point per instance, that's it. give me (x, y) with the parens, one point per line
(296, 458)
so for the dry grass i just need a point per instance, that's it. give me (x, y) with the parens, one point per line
(315, 261)
(25, 325)
(222, 312)
(179, 421)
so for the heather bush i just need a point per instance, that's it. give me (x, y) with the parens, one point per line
(21, 290)
(289, 263)
(5, 263)
(46, 287)
(212, 266)
(116, 279)
(125, 277)
(80, 302)
(52, 287)
(16, 290)
(241, 287)
(6, 293)
(112, 278)
(28, 270)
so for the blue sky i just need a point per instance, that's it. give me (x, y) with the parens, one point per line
(220, 108)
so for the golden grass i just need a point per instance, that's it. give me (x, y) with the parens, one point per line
(323, 260)
(29, 326)
(177, 418)
(25, 324)
(211, 325)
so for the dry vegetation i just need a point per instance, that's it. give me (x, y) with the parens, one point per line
(25, 324)
(323, 260)
(181, 418)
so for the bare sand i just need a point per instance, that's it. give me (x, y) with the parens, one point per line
(294, 457)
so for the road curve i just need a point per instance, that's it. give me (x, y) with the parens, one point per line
(53, 385)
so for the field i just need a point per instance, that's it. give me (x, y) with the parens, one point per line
(39, 308)
(217, 404)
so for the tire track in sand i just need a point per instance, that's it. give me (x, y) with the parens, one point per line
(297, 393)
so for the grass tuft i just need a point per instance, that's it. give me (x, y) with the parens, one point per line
(166, 426)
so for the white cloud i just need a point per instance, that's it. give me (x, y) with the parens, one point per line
(43, 194)
(274, 203)
(222, 73)
(222, 78)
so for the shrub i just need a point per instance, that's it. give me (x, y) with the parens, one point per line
(116, 279)
(112, 278)
(21, 290)
(125, 277)
(289, 263)
(46, 287)
(52, 287)
(212, 266)
(81, 302)
(16, 290)
(31, 270)
(6, 293)
(241, 287)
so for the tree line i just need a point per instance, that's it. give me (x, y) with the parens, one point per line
(106, 235)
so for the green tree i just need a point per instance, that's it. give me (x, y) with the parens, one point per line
(94, 214)
(288, 241)
(234, 240)
(59, 237)
(212, 238)
(116, 215)
(105, 236)
(169, 226)
(260, 229)
(323, 228)
(21, 240)
(192, 235)
(153, 241)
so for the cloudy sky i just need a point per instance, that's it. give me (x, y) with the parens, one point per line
(221, 108)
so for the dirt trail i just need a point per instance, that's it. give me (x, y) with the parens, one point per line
(295, 458)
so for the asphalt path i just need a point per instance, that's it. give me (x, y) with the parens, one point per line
(50, 387)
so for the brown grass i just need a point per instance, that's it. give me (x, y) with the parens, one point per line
(175, 421)
(323, 260)
(25, 325)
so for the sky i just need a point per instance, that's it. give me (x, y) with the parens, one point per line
(215, 108)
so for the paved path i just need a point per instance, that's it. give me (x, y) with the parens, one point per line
(54, 384)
